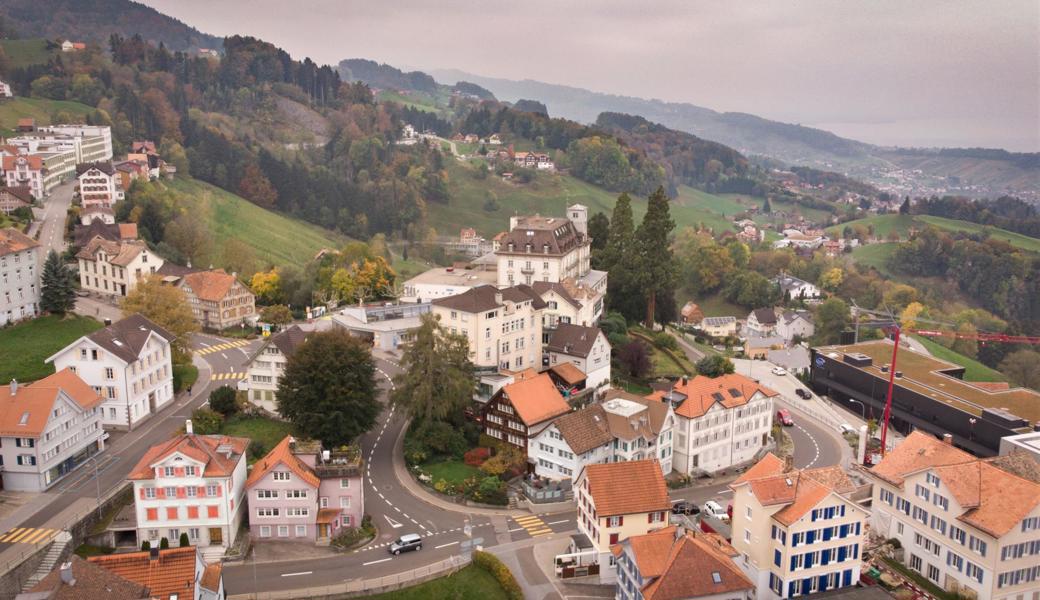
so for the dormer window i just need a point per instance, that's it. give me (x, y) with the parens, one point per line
(169, 471)
(280, 475)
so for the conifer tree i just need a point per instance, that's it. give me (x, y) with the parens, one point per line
(57, 294)
(654, 264)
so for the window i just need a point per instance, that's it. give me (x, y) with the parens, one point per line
(978, 546)
(266, 494)
(915, 562)
(921, 515)
(301, 531)
(344, 501)
(265, 531)
(748, 512)
(615, 521)
(344, 484)
(974, 571)
(283, 531)
(747, 535)
(886, 497)
(297, 512)
(190, 471)
(280, 475)
(267, 512)
(170, 492)
(211, 490)
(192, 491)
(296, 493)
(933, 479)
(168, 471)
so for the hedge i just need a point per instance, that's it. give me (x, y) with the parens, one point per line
(491, 563)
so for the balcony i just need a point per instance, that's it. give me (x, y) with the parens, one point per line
(341, 463)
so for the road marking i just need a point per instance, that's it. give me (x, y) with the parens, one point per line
(724, 492)
(444, 545)
(815, 445)
(295, 574)
(515, 530)
(27, 535)
(372, 562)
(392, 522)
(534, 525)
(558, 522)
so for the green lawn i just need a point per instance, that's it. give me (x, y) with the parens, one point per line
(37, 108)
(885, 224)
(452, 471)
(717, 306)
(24, 347)
(470, 583)
(276, 239)
(973, 369)
(875, 255)
(265, 432)
(183, 376)
(22, 53)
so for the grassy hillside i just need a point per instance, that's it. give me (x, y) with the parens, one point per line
(275, 238)
(24, 347)
(885, 224)
(22, 53)
(874, 255)
(37, 108)
(550, 194)
(973, 369)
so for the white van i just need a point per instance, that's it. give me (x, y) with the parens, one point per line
(714, 509)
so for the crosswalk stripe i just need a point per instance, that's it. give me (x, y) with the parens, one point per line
(38, 536)
(10, 534)
(539, 532)
(523, 520)
(18, 538)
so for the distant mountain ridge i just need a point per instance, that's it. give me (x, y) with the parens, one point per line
(95, 20)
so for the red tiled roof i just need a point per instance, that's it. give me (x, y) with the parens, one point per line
(281, 455)
(172, 572)
(625, 488)
(702, 392)
(202, 448)
(12, 240)
(92, 581)
(536, 399)
(26, 412)
(212, 286)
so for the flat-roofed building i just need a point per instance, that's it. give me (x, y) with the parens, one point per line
(929, 394)
(445, 281)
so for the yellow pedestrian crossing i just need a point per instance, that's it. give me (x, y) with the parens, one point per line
(28, 535)
(223, 376)
(533, 525)
(222, 347)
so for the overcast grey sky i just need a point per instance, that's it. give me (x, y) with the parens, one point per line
(919, 72)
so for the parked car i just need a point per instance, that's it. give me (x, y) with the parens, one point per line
(779, 371)
(803, 393)
(714, 509)
(784, 417)
(682, 507)
(405, 543)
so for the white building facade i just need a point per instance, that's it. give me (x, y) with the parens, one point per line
(504, 327)
(19, 276)
(113, 268)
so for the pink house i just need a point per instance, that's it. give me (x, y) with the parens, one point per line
(299, 492)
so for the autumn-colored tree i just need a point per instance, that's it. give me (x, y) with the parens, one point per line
(276, 314)
(266, 285)
(166, 306)
(255, 187)
(831, 279)
(908, 318)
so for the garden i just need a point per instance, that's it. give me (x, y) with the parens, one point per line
(459, 461)
(229, 414)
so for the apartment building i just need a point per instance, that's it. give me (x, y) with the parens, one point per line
(266, 365)
(192, 484)
(93, 143)
(720, 422)
(47, 430)
(620, 500)
(797, 531)
(518, 412)
(503, 326)
(129, 364)
(300, 493)
(623, 427)
(40, 171)
(113, 268)
(672, 563)
(568, 301)
(13, 198)
(219, 300)
(19, 276)
(970, 526)
(540, 248)
(586, 348)
(99, 185)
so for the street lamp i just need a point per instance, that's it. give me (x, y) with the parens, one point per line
(972, 421)
(862, 406)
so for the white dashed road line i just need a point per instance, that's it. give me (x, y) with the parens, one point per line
(815, 445)
(372, 562)
(296, 574)
(444, 545)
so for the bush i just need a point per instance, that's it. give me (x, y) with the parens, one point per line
(223, 400)
(497, 569)
(894, 542)
(714, 366)
(666, 341)
(476, 456)
(257, 450)
(352, 536)
(146, 546)
(503, 461)
(164, 544)
(441, 439)
(184, 541)
(205, 421)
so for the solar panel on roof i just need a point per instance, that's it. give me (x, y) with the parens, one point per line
(717, 396)
(735, 392)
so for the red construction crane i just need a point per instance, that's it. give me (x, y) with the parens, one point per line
(980, 336)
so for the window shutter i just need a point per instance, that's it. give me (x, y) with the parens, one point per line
(649, 517)
(142, 493)
(179, 471)
(620, 521)
(160, 492)
(193, 512)
(220, 490)
(212, 511)
(202, 491)
(182, 492)
(152, 514)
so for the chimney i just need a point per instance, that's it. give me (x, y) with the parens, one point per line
(948, 439)
(108, 322)
(498, 297)
(14, 387)
(67, 577)
(187, 427)
(153, 553)
(788, 463)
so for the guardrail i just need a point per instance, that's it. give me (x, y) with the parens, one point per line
(377, 585)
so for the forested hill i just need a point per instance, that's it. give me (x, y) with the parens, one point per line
(686, 158)
(95, 20)
(384, 76)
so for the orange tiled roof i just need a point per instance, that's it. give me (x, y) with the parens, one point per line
(35, 162)
(211, 576)
(702, 392)
(281, 455)
(128, 231)
(536, 399)
(202, 448)
(26, 412)
(625, 488)
(12, 240)
(799, 490)
(172, 572)
(211, 286)
(967, 477)
(568, 373)
(918, 451)
(652, 550)
(92, 581)
(770, 465)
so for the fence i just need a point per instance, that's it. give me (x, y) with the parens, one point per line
(536, 495)
(358, 587)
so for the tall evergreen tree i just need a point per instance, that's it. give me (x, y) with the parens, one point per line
(655, 268)
(328, 390)
(904, 208)
(767, 206)
(599, 231)
(620, 236)
(437, 383)
(57, 294)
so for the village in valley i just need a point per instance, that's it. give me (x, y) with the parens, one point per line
(574, 402)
